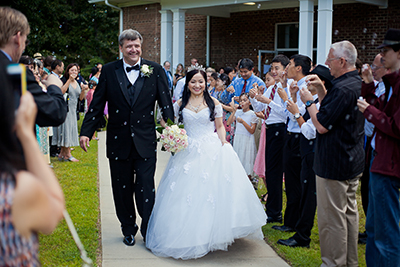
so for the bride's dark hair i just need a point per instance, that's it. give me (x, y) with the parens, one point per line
(186, 95)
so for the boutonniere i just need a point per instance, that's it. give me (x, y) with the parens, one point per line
(146, 70)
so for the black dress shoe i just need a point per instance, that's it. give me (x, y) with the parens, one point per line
(283, 228)
(291, 242)
(129, 240)
(274, 220)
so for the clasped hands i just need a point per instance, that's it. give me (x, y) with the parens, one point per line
(257, 93)
(366, 73)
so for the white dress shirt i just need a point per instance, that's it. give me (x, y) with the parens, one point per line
(277, 113)
(308, 129)
(293, 126)
(133, 74)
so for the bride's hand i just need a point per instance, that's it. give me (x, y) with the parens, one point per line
(224, 142)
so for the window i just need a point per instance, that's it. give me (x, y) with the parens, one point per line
(287, 39)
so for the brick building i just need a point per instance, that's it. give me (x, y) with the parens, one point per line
(220, 32)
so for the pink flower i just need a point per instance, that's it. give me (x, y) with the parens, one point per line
(170, 137)
(162, 136)
(183, 131)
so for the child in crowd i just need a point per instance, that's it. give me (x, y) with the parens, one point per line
(259, 163)
(221, 81)
(244, 143)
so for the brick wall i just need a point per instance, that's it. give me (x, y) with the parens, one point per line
(244, 33)
(146, 19)
(195, 38)
(364, 25)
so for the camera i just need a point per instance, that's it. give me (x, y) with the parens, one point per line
(17, 73)
(92, 85)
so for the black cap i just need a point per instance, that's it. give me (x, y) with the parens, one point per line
(392, 37)
(324, 74)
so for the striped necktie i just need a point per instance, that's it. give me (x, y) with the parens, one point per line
(268, 111)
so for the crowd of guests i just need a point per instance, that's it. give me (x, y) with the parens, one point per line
(78, 93)
(321, 130)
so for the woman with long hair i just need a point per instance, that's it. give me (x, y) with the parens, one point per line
(66, 135)
(205, 200)
(179, 73)
(31, 198)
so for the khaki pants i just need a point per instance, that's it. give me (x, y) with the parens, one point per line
(338, 221)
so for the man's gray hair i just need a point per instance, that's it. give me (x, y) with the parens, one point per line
(346, 50)
(129, 35)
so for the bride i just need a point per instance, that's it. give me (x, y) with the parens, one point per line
(204, 200)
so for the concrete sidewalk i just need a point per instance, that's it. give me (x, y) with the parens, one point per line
(114, 253)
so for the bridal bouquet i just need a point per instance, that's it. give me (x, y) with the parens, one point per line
(173, 138)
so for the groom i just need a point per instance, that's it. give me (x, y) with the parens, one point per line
(131, 86)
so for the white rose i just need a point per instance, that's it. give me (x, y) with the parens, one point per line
(145, 68)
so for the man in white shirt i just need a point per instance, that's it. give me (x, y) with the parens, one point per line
(275, 118)
(297, 70)
(308, 200)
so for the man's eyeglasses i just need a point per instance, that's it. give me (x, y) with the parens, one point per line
(332, 59)
(375, 67)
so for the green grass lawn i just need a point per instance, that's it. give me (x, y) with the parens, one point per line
(305, 256)
(80, 186)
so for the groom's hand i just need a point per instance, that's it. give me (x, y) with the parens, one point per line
(84, 141)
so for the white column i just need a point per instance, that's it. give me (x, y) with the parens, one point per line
(208, 42)
(324, 41)
(166, 37)
(306, 27)
(178, 33)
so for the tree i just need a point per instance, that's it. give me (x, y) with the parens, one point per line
(71, 30)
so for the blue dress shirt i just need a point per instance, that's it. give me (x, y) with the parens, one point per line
(238, 84)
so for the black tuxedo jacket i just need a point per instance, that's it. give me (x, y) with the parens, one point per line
(128, 124)
(52, 108)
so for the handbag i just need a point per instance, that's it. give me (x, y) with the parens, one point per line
(80, 107)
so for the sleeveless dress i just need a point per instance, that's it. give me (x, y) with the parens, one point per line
(244, 143)
(66, 134)
(205, 199)
(15, 250)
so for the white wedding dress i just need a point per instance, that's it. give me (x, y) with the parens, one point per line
(205, 199)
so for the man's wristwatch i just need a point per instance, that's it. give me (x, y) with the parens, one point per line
(309, 103)
(297, 116)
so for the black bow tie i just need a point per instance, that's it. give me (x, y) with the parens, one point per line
(136, 67)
